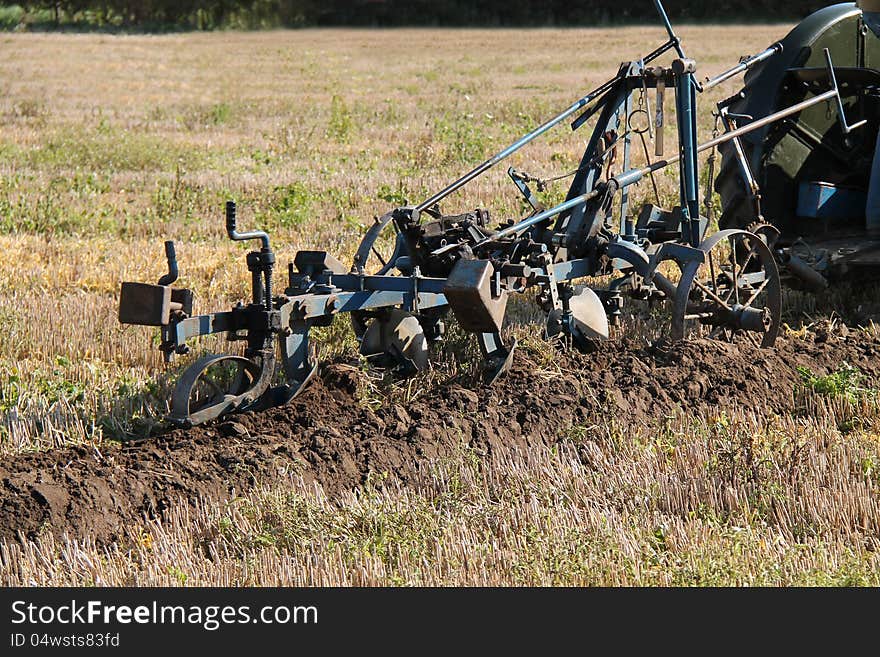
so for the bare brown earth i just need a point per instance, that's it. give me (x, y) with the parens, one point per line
(329, 437)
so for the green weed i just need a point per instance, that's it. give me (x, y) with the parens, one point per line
(340, 126)
(845, 382)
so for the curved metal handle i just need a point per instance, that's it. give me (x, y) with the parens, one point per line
(235, 235)
(171, 257)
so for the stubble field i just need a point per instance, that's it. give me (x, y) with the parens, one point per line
(693, 464)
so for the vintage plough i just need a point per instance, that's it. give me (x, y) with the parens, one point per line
(727, 283)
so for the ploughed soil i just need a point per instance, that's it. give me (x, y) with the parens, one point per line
(328, 436)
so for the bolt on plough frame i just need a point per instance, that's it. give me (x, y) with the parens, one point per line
(398, 302)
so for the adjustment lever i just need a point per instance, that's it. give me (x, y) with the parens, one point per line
(260, 263)
(520, 180)
(841, 115)
(238, 237)
(659, 118)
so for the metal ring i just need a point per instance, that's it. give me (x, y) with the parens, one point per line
(629, 121)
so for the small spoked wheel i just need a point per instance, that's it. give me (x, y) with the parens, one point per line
(734, 292)
(378, 251)
(380, 247)
(215, 384)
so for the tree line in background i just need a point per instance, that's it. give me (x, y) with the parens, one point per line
(218, 14)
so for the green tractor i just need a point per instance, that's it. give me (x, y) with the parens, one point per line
(801, 182)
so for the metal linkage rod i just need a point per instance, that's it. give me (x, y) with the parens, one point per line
(634, 175)
(538, 218)
(841, 114)
(744, 65)
(540, 130)
(673, 38)
(654, 54)
(495, 159)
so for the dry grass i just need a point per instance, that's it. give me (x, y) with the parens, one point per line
(112, 144)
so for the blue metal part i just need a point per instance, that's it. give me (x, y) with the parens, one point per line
(673, 39)
(572, 269)
(822, 200)
(627, 178)
(589, 112)
(685, 105)
(312, 306)
(743, 66)
(295, 350)
(193, 327)
(519, 227)
(354, 282)
(520, 182)
(623, 123)
(589, 170)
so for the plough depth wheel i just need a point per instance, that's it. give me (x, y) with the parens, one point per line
(377, 253)
(217, 384)
(735, 290)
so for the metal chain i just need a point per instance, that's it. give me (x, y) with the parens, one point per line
(645, 106)
(648, 161)
(710, 179)
(542, 182)
(641, 133)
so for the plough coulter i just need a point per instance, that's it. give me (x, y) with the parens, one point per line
(725, 284)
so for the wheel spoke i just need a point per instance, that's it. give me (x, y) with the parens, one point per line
(712, 271)
(748, 259)
(734, 291)
(711, 294)
(735, 275)
(212, 384)
(757, 292)
(738, 277)
(378, 255)
(729, 294)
